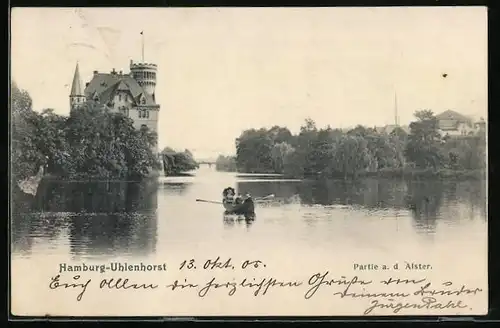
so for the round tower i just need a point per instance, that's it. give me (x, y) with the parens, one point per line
(145, 75)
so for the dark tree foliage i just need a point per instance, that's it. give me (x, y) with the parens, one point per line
(178, 162)
(225, 163)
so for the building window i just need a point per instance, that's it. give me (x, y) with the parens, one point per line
(143, 113)
(143, 101)
(124, 110)
(119, 97)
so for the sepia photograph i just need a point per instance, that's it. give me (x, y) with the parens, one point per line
(188, 162)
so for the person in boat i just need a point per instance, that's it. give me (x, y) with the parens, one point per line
(228, 195)
(240, 199)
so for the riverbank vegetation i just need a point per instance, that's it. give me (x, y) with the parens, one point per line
(226, 163)
(362, 151)
(90, 143)
(176, 163)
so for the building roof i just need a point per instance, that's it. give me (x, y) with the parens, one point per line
(391, 127)
(106, 85)
(452, 115)
(76, 86)
(480, 121)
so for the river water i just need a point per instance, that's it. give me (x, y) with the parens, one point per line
(96, 220)
(308, 228)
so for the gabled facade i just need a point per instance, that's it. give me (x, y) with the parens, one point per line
(131, 94)
(452, 123)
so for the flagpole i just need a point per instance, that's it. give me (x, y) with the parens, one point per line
(396, 118)
(142, 34)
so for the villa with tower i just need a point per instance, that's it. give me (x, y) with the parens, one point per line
(131, 94)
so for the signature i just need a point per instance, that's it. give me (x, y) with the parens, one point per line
(425, 303)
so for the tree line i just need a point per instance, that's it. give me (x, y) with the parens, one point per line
(91, 142)
(328, 152)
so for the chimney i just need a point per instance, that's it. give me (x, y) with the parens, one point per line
(95, 72)
(87, 84)
(121, 72)
(113, 71)
(131, 62)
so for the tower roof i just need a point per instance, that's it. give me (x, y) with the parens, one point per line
(76, 87)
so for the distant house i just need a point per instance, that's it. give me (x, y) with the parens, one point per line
(391, 127)
(451, 123)
(480, 125)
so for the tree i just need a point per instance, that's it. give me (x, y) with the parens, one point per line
(26, 157)
(424, 141)
(467, 153)
(321, 152)
(105, 144)
(385, 151)
(225, 163)
(178, 162)
(253, 151)
(185, 162)
(351, 156)
(360, 131)
(399, 133)
(279, 154)
(280, 134)
(20, 100)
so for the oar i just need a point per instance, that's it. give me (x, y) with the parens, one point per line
(265, 197)
(208, 201)
(215, 202)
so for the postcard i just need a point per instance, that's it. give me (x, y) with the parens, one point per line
(248, 162)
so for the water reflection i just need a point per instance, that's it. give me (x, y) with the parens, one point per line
(234, 220)
(426, 201)
(96, 218)
(281, 189)
(174, 188)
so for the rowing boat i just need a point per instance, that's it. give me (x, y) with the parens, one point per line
(247, 207)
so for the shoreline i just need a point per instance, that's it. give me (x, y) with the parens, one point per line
(417, 174)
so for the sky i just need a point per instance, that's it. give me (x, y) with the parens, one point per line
(223, 70)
